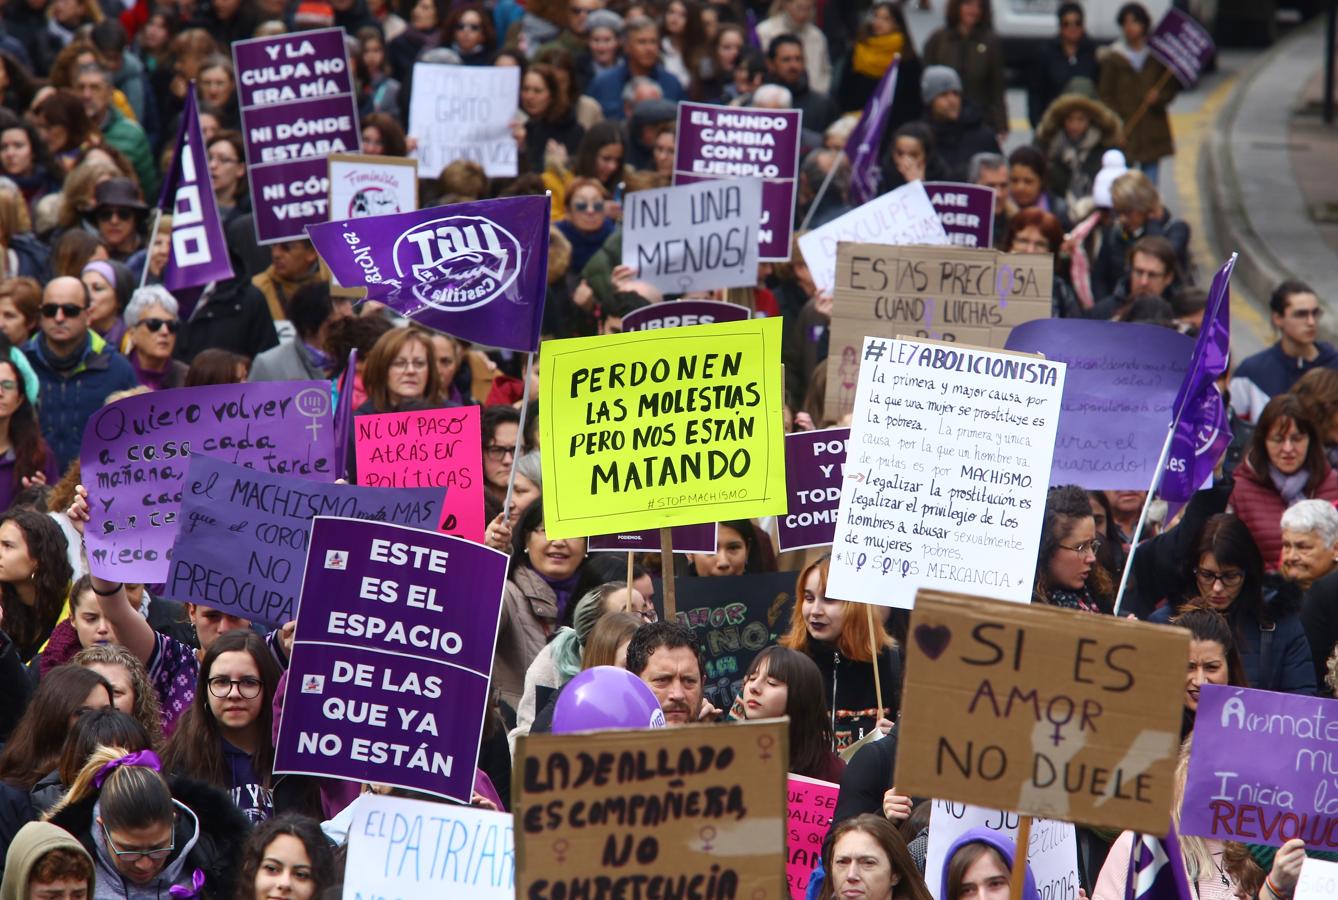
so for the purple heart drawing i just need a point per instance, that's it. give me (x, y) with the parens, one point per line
(933, 639)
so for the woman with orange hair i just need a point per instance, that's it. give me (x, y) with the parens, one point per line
(836, 635)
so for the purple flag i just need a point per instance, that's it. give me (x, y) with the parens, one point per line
(863, 143)
(199, 251)
(343, 415)
(1156, 869)
(475, 270)
(1201, 427)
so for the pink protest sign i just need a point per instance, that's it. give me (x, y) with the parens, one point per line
(428, 448)
(811, 804)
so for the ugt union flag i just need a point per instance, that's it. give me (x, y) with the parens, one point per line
(475, 270)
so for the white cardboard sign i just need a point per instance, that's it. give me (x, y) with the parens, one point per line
(1052, 853)
(903, 216)
(946, 472)
(694, 237)
(464, 112)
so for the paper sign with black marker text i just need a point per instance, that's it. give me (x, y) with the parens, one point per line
(1052, 853)
(694, 237)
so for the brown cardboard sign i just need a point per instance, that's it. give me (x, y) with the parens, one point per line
(1044, 711)
(693, 811)
(954, 294)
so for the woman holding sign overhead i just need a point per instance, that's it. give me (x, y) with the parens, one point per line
(835, 635)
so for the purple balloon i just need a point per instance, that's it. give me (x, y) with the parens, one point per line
(603, 698)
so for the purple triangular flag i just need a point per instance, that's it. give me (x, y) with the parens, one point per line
(1202, 429)
(343, 414)
(475, 270)
(199, 251)
(863, 143)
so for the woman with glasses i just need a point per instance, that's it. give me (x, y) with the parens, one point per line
(225, 738)
(1068, 572)
(588, 224)
(150, 835)
(151, 328)
(1285, 463)
(1226, 573)
(401, 373)
(469, 32)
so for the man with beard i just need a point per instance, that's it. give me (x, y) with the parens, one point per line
(665, 656)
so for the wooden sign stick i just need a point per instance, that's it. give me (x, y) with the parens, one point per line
(667, 570)
(629, 581)
(874, 646)
(1019, 879)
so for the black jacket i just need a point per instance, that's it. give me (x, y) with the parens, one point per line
(818, 108)
(567, 132)
(1052, 69)
(234, 316)
(223, 832)
(850, 693)
(959, 140)
(869, 775)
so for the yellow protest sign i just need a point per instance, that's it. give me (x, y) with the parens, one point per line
(698, 811)
(676, 426)
(1043, 711)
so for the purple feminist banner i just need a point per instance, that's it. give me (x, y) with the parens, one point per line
(1201, 430)
(813, 464)
(867, 137)
(685, 539)
(391, 658)
(1121, 382)
(475, 270)
(680, 313)
(1260, 771)
(298, 107)
(243, 538)
(199, 251)
(966, 211)
(741, 142)
(1182, 45)
(136, 451)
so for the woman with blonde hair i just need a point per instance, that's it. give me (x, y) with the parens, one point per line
(132, 691)
(837, 635)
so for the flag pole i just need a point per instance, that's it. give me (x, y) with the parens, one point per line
(1143, 513)
(520, 437)
(1018, 880)
(667, 574)
(822, 191)
(153, 234)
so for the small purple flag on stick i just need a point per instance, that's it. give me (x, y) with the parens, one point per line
(1156, 869)
(199, 252)
(863, 143)
(1201, 427)
(475, 270)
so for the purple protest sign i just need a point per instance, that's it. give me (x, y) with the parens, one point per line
(742, 142)
(814, 461)
(199, 252)
(1120, 385)
(966, 211)
(1182, 45)
(136, 451)
(1261, 769)
(243, 538)
(685, 538)
(680, 313)
(475, 270)
(298, 107)
(391, 657)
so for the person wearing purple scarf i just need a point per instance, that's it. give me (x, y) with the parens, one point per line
(545, 575)
(151, 320)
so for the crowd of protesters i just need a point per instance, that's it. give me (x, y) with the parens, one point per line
(138, 732)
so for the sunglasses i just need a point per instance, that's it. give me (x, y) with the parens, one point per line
(582, 206)
(468, 26)
(107, 213)
(155, 324)
(70, 310)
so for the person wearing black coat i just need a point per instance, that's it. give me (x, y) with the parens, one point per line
(868, 776)
(959, 130)
(1072, 54)
(231, 315)
(219, 828)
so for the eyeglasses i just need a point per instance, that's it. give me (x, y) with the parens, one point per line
(1070, 23)
(1207, 577)
(582, 206)
(8, 384)
(70, 310)
(468, 26)
(1093, 547)
(108, 213)
(497, 453)
(249, 688)
(415, 364)
(222, 160)
(155, 324)
(136, 855)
